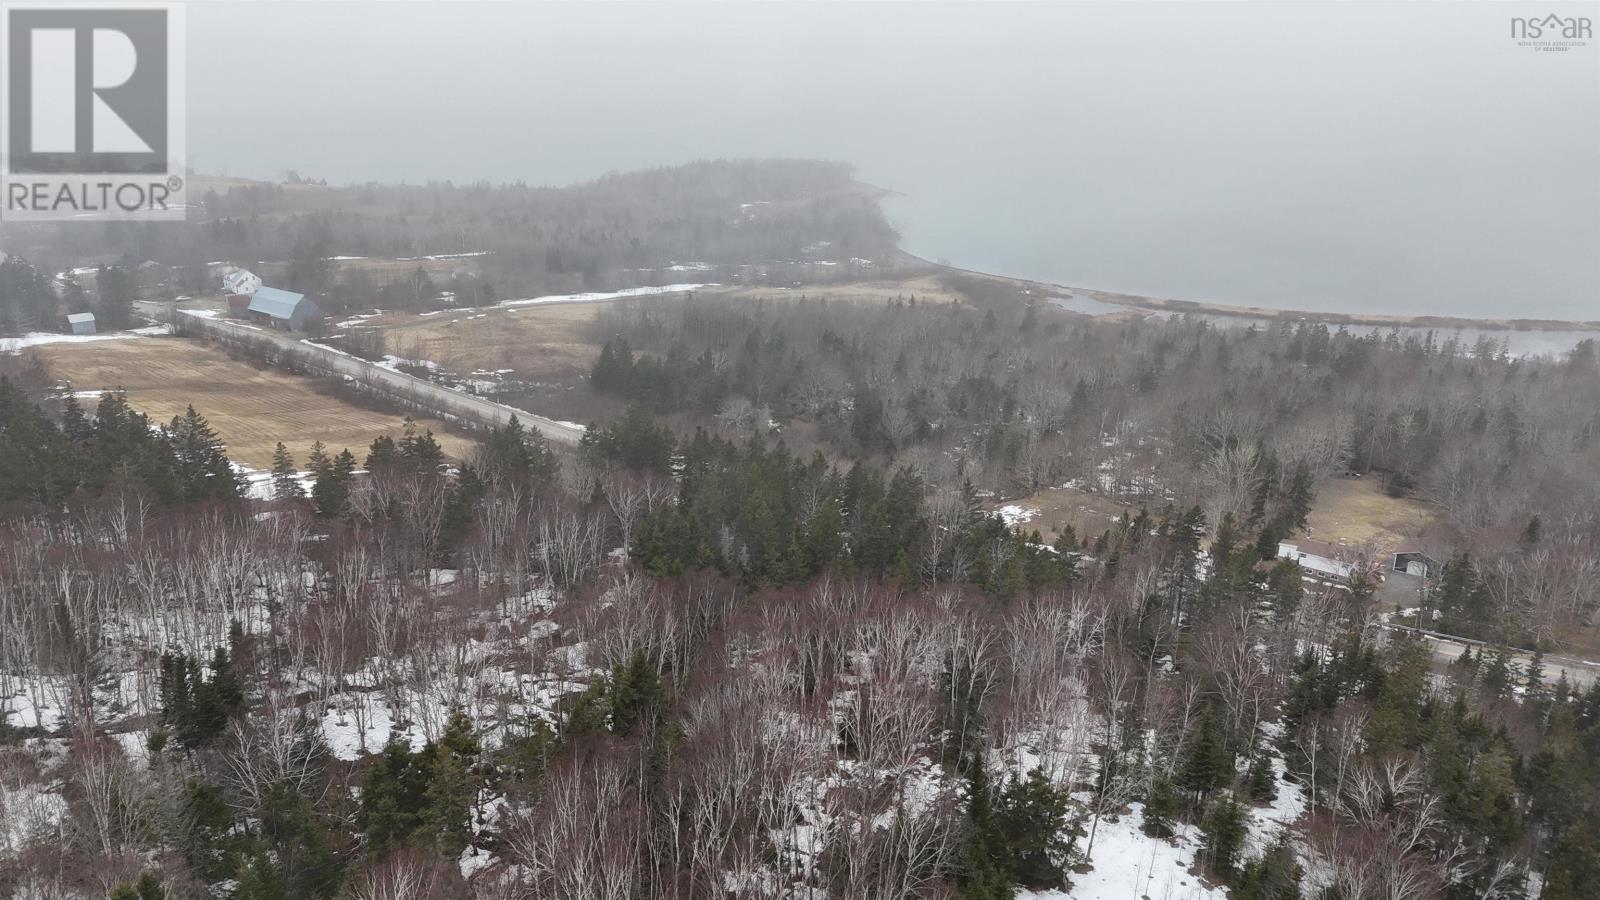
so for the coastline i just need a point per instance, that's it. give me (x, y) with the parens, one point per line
(1136, 303)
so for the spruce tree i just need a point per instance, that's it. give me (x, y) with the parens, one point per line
(1160, 808)
(985, 872)
(1534, 677)
(393, 796)
(452, 787)
(1032, 815)
(318, 462)
(1497, 676)
(285, 480)
(331, 491)
(200, 465)
(1207, 765)
(1262, 785)
(636, 693)
(1223, 831)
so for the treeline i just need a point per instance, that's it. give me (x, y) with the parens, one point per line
(35, 300)
(535, 239)
(1469, 777)
(48, 463)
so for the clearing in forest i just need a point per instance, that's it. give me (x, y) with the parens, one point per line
(251, 408)
(1052, 509)
(1356, 512)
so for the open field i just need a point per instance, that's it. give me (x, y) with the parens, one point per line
(926, 289)
(1052, 509)
(553, 341)
(251, 408)
(538, 342)
(1356, 511)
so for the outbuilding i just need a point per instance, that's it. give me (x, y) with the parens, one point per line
(1415, 563)
(282, 309)
(80, 323)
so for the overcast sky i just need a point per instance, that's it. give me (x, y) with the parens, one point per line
(1362, 156)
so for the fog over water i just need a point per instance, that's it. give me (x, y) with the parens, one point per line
(1354, 157)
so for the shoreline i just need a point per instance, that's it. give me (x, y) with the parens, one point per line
(1136, 302)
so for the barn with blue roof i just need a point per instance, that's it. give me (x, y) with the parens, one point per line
(282, 309)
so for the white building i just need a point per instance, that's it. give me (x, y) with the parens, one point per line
(1324, 559)
(241, 281)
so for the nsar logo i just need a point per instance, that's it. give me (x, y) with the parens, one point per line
(1553, 32)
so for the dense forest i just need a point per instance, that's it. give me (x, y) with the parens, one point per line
(1013, 398)
(790, 653)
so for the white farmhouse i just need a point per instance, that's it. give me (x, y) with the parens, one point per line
(240, 282)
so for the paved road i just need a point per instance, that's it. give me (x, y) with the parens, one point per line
(1580, 673)
(407, 389)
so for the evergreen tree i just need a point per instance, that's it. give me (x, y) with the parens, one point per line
(318, 461)
(1160, 808)
(421, 452)
(1497, 675)
(1223, 832)
(201, 467)
(985, 872)
(1273, 876)
(1534, 677)
(258, 880)
(382, 455)
(148, 887)
(1032, 817)
(1574, 872)
(394, 796)
(331, 492)
(285, 480)
(452, 787)
(1207, 765)
(1261, 783)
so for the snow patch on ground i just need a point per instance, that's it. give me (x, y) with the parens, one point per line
(40, 338)
(29, 814)
(609, 295)
(1129, 864)
(258, 484)
(1015, 515)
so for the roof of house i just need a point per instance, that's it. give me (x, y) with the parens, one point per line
(279, 304)
(76, 318)
(1322, 549)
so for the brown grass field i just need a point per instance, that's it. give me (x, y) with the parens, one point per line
(554, 341)
(1056, 508)
(252, 409)
(539, 342)
(1357, 512)
(926, 289)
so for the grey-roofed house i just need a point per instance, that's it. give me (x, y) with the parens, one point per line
(282, 309)
(80, 323)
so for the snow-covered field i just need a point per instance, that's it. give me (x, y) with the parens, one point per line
(41, 338)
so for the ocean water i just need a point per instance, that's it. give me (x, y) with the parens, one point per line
(1350, 157)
